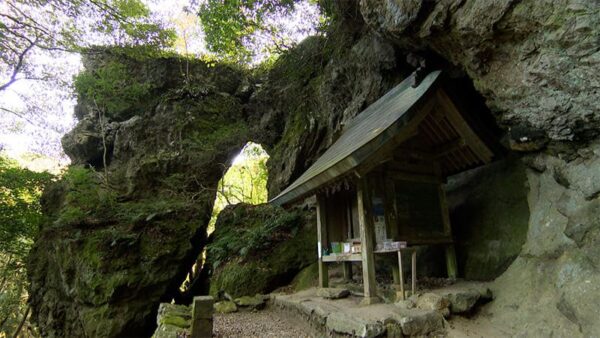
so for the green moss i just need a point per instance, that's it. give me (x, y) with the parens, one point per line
(175, 321)
(306, 278)
(256, 249)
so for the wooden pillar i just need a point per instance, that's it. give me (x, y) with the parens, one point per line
(451, 265)
(400, 293)
(390, 219)
(365, 219)
(322, 240)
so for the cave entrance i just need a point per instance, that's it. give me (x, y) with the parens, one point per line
(244, 182)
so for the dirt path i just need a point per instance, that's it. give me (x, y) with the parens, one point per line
(477, 327)
(270, 322)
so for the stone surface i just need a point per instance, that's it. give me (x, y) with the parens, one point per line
(347, 317)
(202, 307)
(333, 293)
(525, 57)
(432, 301)
(417, 322)
(552, 287)
(256, 249)
(225, 306)
(490, 217)
(251, 302)
(172, 320)
(462, 301)
(340, 322)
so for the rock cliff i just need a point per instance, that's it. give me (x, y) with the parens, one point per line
(527, 66)
(119, 241)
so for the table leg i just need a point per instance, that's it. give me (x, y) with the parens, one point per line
(401, 275)
(414, 271)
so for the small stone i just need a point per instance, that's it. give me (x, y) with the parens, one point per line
(252, 302)
(343, 323)
(225, 306)
(421, 322)
(432, 301)
(333, 293)
(405, 304)
(462, 301)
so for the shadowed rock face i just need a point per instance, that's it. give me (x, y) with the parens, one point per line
(534, 63)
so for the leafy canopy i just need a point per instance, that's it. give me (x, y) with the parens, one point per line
(111, 88)
(20, 219)
(251, 30)
(40, 42)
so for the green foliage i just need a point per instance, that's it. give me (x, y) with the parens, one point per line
(266, 227)
(244, 182)
(230, 25)
(86, 198)
(89, 201)
(112, 88)
(20, 210)
(20, 220)
(256, 249)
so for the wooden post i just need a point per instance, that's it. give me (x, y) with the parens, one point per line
(202, 317)
(322, 241)
(401, 296)
(413, 273)
(451, 265)
(365, 219)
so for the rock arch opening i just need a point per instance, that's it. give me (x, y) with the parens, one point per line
(245, 181)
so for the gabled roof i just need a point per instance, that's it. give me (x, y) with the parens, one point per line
(367, 132)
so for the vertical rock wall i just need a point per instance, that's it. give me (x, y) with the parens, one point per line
(114, 248)
(490, 216)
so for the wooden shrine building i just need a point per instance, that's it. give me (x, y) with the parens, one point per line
(382, 180)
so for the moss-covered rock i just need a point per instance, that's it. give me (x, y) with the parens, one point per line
(255, 249)
(117, 245)
(225, 306)
(173, 320)
(306, 278)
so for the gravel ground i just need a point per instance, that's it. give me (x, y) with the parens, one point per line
(270, 322)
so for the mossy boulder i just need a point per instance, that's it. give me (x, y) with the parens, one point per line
(225, 306)
(121, 238)
(173, 320)
(256, 249)
(306, 278)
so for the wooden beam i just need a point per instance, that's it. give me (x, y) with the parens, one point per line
(322, 240)
(415, 177)
(449, 147)
(367, 239)
(462, 127)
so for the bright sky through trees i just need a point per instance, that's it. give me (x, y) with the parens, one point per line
(35, 114)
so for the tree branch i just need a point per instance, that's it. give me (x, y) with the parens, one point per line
(18, 66)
